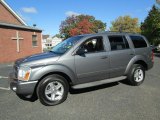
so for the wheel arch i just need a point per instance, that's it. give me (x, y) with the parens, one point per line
(68, 79)
(136, 60)
(141, 62)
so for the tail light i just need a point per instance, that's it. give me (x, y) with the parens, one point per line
(152, 57)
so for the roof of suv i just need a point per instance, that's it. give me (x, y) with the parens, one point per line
(112, 33)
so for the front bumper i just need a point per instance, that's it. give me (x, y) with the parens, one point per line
(22, 87)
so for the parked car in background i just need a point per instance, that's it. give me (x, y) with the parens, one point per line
(154, 48)
(82, 61)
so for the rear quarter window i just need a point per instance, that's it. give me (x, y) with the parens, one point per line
(138, 41)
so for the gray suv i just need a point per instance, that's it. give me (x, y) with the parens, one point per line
(82, 61)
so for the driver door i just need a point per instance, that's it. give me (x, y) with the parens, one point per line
(94, 64)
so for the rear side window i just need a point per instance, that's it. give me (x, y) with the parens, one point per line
(118, 42)
(138, 41)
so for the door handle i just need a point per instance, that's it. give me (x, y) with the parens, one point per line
(132, 54)
(104, 57)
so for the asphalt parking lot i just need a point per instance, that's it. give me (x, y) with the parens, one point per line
(115, 101)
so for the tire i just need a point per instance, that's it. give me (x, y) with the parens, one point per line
(52, 90)
(136, 75)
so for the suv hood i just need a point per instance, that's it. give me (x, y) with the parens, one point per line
(38, 59)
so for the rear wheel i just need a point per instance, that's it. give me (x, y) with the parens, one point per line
(136, 75)
(52, 90)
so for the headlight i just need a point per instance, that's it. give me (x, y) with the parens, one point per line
(24, 73)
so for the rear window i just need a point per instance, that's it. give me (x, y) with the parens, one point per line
(138, 41)
(118, 42)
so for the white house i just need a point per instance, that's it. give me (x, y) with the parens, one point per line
(56, 40)
(49, 42)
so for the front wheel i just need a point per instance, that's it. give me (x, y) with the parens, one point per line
(136, 75)
(52, 90)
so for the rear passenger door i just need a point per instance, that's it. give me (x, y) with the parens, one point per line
(120, 54)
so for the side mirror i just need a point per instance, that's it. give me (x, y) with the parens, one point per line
(81, 51)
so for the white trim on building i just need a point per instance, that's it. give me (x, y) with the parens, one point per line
(13, 12)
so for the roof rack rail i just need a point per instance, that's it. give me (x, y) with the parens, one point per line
(118, 32)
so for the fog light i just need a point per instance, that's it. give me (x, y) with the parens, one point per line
(14, 89)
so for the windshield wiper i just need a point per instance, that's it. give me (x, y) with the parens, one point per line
(54, 52)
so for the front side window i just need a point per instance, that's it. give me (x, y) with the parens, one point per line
(94, 44)
(118, 42)
(138, 41)
(64, 46)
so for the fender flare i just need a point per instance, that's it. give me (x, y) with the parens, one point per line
(134, 60)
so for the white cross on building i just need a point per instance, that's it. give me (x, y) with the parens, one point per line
(18, 38)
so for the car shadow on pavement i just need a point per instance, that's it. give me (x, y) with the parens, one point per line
(125, 82)
(89, 89)
(32, 98)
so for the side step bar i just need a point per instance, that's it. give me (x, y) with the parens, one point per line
(100, 82)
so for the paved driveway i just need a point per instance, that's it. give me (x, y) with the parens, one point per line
(115, 101)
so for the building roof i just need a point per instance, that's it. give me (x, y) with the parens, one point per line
(22, 27)
(13, 12)
(45, 36)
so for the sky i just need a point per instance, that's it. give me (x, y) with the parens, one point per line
(48, 14)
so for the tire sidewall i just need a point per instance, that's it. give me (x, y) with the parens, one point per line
(134, 68)
(42, 86)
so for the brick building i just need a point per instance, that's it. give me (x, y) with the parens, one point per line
(17, 40)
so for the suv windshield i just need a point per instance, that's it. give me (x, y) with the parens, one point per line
(64, 46)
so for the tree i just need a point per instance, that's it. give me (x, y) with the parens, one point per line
(125, 24)
(151, 26)
(58, 36)
(81, 24)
